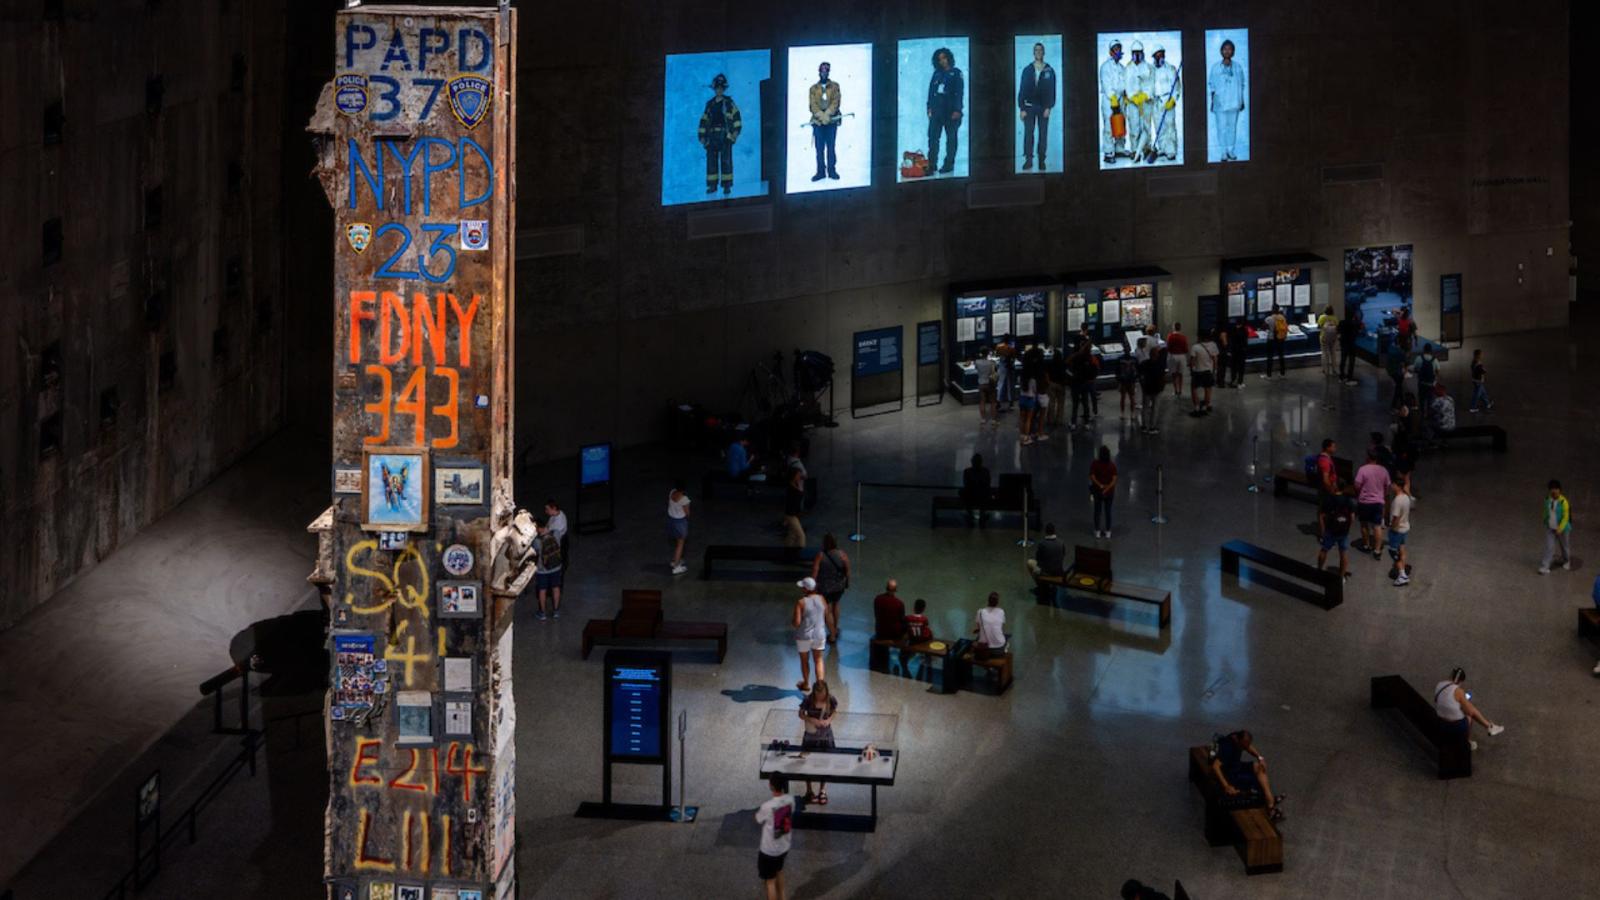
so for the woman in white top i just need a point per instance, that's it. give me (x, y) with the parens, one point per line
(1452, 705)
(810, 621)
(678, 525)
(991, 629)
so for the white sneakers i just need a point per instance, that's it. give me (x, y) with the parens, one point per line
(1544, 570)
(1496, 730)
(1597, 668)
(679, 569)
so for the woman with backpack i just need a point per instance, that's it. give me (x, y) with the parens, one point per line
(831, 569)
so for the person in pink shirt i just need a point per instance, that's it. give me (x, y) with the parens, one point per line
(1372, 494)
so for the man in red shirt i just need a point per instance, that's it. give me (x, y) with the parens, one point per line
(1325, 468)
(1177, 352)
(889, 613)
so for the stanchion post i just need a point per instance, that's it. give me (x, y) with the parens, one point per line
(1025, 542)
(1300, 407)
(684, 812)
(1255, 443)
(1272, 455)
(858, 536)
(1159, 518)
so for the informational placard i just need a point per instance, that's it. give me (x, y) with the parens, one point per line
(1450, 317)
(638, 704)
(594, 464)
(930, 363)
(1302, 296)
(928, 343)
(877, 352)
(967, 328)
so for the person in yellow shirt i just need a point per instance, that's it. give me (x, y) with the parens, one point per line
(1328, 328)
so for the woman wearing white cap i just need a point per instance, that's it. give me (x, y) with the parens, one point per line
(810, 631)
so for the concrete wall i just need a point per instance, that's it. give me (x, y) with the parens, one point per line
(1469, 126)
(100, 436)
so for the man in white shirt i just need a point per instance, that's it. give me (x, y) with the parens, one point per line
(1202, 368)
(776, 817)
(991, 629)
(985, 367)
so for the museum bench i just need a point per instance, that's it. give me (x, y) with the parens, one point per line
(711, 479)
(1343, 469)
(640, 622)
(996, 668)
(776, 555)
(996, 503)
(1494, 432)
(1330, 582)
(1240, 820)
(1589, 623)
(879, 652)
(1090, 575)
(1453, 748)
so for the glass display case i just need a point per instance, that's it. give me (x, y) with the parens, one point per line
(856, 748)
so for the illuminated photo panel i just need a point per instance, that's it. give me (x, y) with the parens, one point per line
(1039, 65)
(711, 126)
(829, 127)
(1140, 76)
(934, 130)
(1227, 95)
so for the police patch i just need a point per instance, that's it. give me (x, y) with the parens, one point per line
(359, 234)
(350, 94)
(469, 98)
(474, 234)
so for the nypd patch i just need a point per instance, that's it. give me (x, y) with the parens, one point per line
(350, 94)
(359, 234)
(474, 234)
(469, 98)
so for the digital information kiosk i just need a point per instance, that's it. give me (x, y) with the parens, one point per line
(638, 710)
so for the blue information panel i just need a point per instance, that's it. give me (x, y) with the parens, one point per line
(594, 464)
(929, 335)
(1450, 293)
(636, 703)
(878, 351)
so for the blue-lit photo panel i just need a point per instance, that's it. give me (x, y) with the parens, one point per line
(934, 132)
(1039, 64)
(1227, 95)
(829, 125)
(711, 126)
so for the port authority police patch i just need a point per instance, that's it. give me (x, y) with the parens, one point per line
(350, 94)
(359, 234)
(474, 234)
(469, 98)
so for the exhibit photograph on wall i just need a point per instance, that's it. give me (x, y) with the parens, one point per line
(1227, 95)
(932, 134)
(1140, 76)
(1039, 62)
(711, 126)
(829, 124)
(1379, 279)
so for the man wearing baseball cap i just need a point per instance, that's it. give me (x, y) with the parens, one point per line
(719, 128)
(810, 631)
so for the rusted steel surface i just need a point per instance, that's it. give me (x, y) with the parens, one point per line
(416, 159)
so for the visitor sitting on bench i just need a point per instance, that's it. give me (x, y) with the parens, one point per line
(991, 629)
(976, 489)
(917, 629)
(889, 614)
(741, 465)
(1134, 889)
(1453, 705)
(1238, 776)
(1050, 559)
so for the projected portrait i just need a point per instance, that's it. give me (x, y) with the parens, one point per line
(830, 118)
(1140, 75)
(1227, 95)
(1038, 142)
(711, 126)
(932, 131)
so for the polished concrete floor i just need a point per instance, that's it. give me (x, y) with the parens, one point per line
(1075, 779)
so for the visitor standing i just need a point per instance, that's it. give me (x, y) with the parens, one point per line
(558, 527)
(831, 569)
(1128, 384)
(1394, 362)
(1220, 337)
(810, 621)
(776, 818)
(1202, 366)
(1152, 380)
(1400, 530)
(547, 569)
(1177, 353)
(1557, 529)
(1277, 338)
(1427, 372)
(1350, 330)
(1080, 369)
(1328, 330)
(794, 506)
(817, 711)
(1453, 705)
(1102, 489)
(1239, 345)
(1028, 403)
(678, 525)
(988, 409)
(976, 489)
(1480, 391)
(1005, 359)
(1334, 521)
(1372, 492)
(1056, 374)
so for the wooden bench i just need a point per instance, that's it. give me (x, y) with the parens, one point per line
(996, 668)
(879, 651)
(1248, 829)
(1494, 432)
(1589, 623)
(1343, 469)
(640, 622)
(1331, 583)
(1453, 748)
(993, 504)
(800, 557)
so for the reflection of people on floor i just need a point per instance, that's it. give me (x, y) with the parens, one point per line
(976, 488)
(816, 711)
(1238, 776)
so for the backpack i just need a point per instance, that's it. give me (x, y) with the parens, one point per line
(1280, 327)
(1127, 369)
(1313, 471)
(550, 551)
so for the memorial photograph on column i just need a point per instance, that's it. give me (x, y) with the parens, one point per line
(1227, 102)
(829, 125)
(711, 126)
(1140, 79)
(934, 83)
(1039, 63)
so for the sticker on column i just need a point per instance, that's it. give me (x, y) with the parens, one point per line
(469, 98)
(474, 234)
(350, 94)
(457, 559)
(359, 234)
